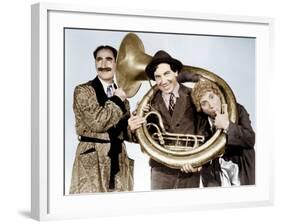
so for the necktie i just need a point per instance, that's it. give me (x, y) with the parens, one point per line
(171, 103)
(109, 91)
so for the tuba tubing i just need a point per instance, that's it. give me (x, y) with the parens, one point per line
(131, 62)
(213, 148)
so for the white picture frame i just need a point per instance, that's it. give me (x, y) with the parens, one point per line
(49, 200)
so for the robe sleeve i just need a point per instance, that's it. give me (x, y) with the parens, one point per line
(97, 118)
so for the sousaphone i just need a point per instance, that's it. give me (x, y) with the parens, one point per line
(170, 149)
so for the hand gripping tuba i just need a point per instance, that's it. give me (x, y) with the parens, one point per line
(131, 63)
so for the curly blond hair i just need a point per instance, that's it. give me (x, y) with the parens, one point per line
(200, 88)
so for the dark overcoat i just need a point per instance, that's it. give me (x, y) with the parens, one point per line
(239, 146)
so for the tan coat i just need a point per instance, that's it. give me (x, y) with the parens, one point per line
(95, 115)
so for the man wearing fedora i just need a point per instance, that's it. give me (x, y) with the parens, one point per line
(173, 101)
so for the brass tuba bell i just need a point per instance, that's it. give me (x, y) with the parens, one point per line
(131, 62)
(130, 72)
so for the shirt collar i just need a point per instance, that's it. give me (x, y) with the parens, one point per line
(105, 84)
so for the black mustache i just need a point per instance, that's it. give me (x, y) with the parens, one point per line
(104, 69)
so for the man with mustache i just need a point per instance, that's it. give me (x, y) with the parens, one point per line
(101, 114)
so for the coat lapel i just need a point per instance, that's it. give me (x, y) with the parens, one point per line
(181, 103)
(101, 96)
(162, 108)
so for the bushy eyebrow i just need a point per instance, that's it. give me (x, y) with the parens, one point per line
(107, 58)
(167, 72)
(157, 75)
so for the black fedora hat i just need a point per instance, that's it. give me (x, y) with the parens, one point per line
(161, 57)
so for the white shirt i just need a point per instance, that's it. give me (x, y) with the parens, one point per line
(105, 85)
(211, 122)
(229, 171)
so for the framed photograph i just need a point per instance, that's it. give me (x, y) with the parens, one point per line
(236, 48)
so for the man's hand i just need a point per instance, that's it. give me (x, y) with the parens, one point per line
(120, 93)
(222, 120)
(188, 168)
(135, 122)
(145, 109)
